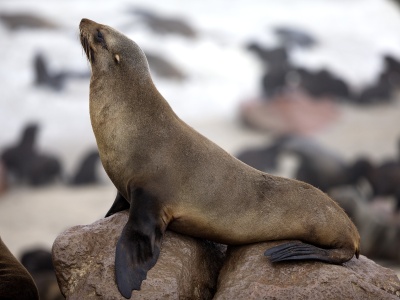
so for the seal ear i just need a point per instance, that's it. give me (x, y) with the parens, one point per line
(117, 58)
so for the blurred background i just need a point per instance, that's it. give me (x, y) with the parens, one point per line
(302, 88)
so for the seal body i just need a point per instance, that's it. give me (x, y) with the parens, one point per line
(26, 164)
(169, 175)
(15, 281)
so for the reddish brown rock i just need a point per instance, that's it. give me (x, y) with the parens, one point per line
(290, 113)
(188, 269)
(247, 274)
(84, 262)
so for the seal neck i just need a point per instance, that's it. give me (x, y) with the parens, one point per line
(137, 97)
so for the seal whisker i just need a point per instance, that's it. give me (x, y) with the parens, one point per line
(84, 37)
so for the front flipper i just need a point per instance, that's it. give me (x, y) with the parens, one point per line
(139, 245)
(120, 204)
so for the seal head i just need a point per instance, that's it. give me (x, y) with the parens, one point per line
(108, 50)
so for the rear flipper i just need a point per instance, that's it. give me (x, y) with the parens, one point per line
(120, 204)
(139, 245)
(300, 251)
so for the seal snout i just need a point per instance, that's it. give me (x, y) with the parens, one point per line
(85, 29)
(86, 22)
(86, 47)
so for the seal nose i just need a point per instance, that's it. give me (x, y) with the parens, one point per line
(85, 22)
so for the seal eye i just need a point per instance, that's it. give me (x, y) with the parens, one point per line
(99, 37)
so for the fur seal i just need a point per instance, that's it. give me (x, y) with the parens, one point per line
(39, 263)
(26, 164)
(169, 175)
(165, 25)
(53, 80)
(15, 157)
(15, 281)
(86, 173)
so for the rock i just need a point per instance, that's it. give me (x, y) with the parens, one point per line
(289, 113)
(247, 274)
(188, 268)
(83, 258)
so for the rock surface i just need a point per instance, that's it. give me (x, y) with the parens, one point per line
(83, 258)
(188, 268)
(247, 274)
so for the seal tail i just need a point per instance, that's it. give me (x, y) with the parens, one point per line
(301, 251)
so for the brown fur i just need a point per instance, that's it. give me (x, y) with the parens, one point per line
(15, 281)
(203, 191)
